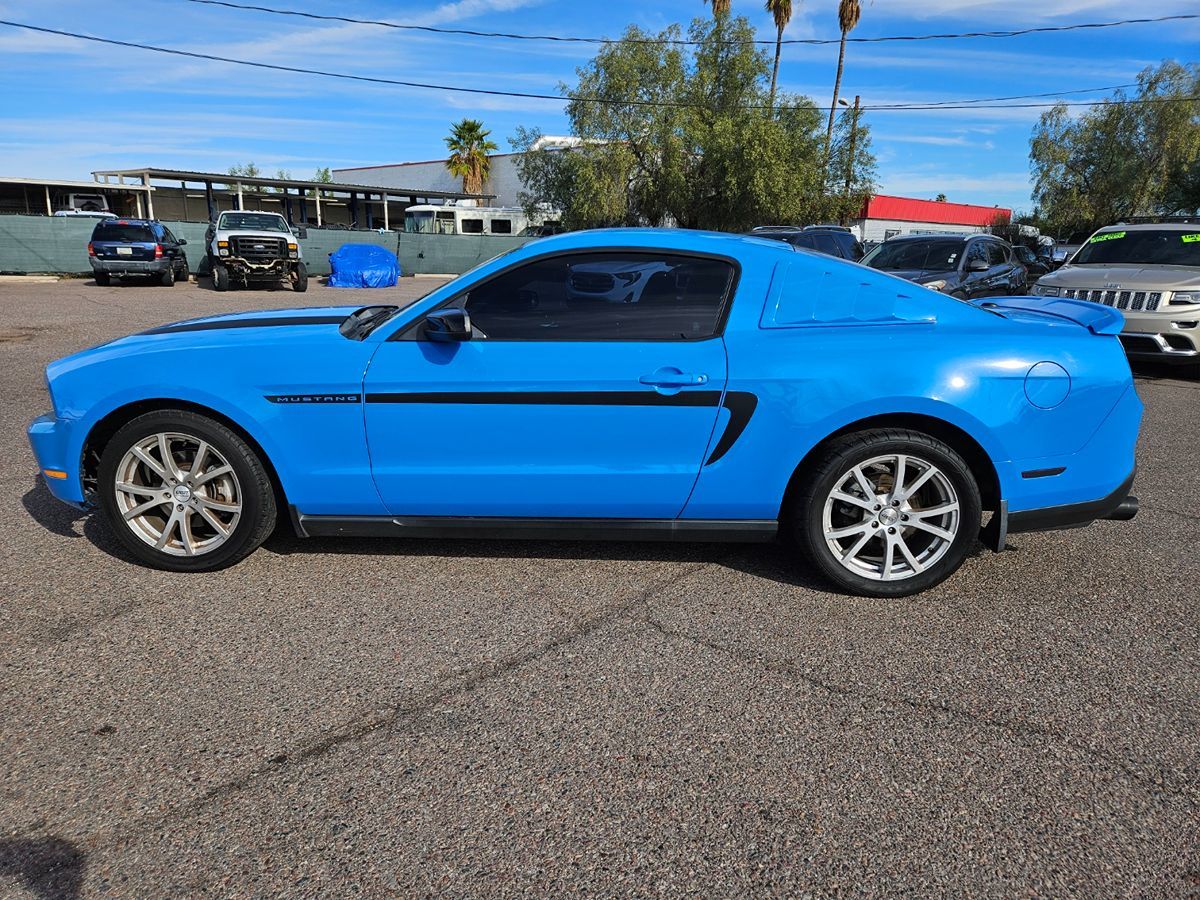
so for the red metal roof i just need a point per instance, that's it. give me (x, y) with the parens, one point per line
(906, 209)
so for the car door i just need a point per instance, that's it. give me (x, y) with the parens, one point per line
(1002, 275)
(975, 284)
(589, 387)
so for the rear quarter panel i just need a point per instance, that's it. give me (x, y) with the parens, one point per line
(850, 344)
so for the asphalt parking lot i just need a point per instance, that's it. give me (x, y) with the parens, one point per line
(385, 718)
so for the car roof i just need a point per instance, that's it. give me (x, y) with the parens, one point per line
(936, 237)
(1153, 226)
(683, 239)
(121, 221)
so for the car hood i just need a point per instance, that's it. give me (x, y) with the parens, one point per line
(1129, 278)
(255, 233)
(285, 325)
(306, 316)
(919, 275)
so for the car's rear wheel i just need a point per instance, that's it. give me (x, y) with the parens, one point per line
(300, 279)
(184, 273)
(168, 277)
(888, 512)
(103, 279)
(220, 277)
(184, 492)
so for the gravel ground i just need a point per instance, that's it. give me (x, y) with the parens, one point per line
(384, 718)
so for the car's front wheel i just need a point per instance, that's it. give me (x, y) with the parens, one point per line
(220, 277)
(888, 512)
(300, 278)
(185, 493)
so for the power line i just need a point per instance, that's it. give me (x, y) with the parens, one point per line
(568, 39)
(372, 79)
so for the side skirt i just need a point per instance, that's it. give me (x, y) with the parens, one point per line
(549, 529)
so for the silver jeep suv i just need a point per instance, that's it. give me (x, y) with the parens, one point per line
(1149, 272)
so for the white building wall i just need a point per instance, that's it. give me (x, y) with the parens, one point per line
(432, 176)
(882, 229)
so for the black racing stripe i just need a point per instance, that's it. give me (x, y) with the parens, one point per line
(555, 398)
(261, 322)
(741, 406)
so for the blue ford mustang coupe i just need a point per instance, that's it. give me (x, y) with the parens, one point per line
(624, 384)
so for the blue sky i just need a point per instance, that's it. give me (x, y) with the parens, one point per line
(67, 108)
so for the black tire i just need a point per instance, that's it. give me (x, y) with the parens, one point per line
(829, 471)
(184, 273)
(103, 279)
(220, 277)
(300, 279)
(168, 277)
(252, 487)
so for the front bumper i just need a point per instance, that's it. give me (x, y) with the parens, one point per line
(50, 442)
(131, 266)
(1167, 335)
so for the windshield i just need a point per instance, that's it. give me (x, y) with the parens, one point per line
(1147, 248)
(940, 255)
(253, 221)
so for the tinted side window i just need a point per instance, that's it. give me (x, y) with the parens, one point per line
(472, 226)
(827, 244)
(603, 297)
(803, 240)
(976, 250)
(997, 253)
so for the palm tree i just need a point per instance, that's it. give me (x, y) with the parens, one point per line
(849, 12)
(469, 148)
(720, 7)
(782, 11)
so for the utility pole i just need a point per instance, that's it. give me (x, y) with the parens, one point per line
(853, 143)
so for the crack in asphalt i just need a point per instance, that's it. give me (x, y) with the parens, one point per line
(364, 724)
(1156, 785)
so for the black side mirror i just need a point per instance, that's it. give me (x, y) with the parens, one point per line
(182, 242)
(301, 233)
(977, 265)
(447, 325)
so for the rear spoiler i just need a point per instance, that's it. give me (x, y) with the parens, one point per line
(1096, 318)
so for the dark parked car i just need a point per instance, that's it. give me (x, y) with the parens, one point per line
(121, 247)
(1035, 265)
(832, 240)
(964, 267)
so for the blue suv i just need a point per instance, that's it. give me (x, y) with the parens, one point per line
(143, 247)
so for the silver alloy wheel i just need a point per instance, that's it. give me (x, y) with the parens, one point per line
(891, 517)
(178, 494)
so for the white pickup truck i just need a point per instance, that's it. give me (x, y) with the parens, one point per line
(254, 247)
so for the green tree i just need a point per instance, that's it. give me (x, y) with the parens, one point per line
(246, 170)
(781, 11)
(849, 12)
(940, 198)
(1120, 158)
(706, 155)
(469, 148)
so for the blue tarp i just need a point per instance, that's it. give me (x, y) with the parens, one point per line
(363, 266)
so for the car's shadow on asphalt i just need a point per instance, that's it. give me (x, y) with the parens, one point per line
(776, 560)
(67, 521)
